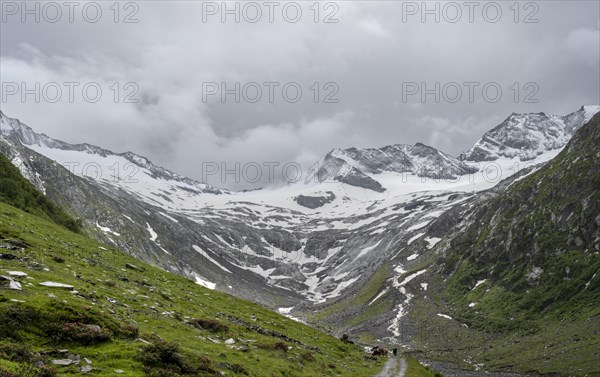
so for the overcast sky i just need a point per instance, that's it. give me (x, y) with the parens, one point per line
(367, 62)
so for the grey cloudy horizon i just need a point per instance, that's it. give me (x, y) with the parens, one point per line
(367, 61)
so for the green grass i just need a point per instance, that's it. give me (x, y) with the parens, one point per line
(19, 192)
(151, 301)
(415, 369)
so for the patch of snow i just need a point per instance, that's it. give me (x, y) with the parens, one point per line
(424, 286)
(205, 255)
(444, 316)
(415, 237)
(588, 283)
(479, 282)
(366, 250)
(409, 278)
(378, 296)
(432, 241)
(153, 234)
(412, 257)
(417, 226)
(205, 283)
(169, 217)
(106, 229)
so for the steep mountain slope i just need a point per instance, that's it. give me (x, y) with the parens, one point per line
(76, 306)
(527, 262)
(19, 192)
(513, 282)
(260, 245)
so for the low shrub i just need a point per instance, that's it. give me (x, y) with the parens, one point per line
(84, 333)
(308, 356)
(29, 370)
(278, 346)
(17, 353)
(128, 330)
(213, 325)
(163, 358)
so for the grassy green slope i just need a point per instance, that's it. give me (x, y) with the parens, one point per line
(537, 247)
(18, 192)
(135, 307)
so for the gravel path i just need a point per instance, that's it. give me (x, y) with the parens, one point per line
(394, 367)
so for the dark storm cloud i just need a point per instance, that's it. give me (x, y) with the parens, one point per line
(170, 55)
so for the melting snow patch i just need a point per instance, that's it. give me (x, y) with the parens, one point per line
(409, 278)
(169, 217)
(163, 249)
(411, 257)
(479, 282)
(414, 238)
(418, 226)
(366, 250)
(444, 316)
(204, 282)
(377, 231)
(588, 283)
(338, 290)
(399, 269)
(106, 229)
(378, 296)
(472, 304)
(432, 241)
(285, 310)
(424, 286)
(153, 234)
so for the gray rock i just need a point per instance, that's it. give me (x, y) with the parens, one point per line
(313, 202)
(132, 267)
(85, 368)
(53, 284)
(63, 362)
(11, 283)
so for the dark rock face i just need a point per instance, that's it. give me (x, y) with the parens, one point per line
(359, 179)
(313, 202)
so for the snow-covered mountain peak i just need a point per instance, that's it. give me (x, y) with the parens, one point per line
(361, 166)
(125, 170)
(526, 136)
(589, 111)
